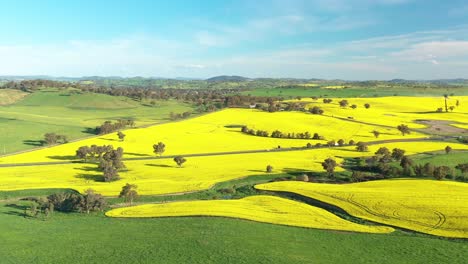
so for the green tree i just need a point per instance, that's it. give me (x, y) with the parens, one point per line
(376, 133)
(329, 166)
(397, 154)
(269, 168)
(159, 148)
(121, 135)
(404, 129)
(91, 201)
(129, 193)
(179, 160)
(448, 149)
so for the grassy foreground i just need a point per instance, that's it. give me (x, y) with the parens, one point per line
(97, 239)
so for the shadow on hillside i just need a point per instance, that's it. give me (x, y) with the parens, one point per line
(36, 143)
(66, 157)
(159, 165)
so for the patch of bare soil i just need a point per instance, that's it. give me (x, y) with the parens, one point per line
(441, 127)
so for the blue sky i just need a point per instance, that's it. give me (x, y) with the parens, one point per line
(346, 39)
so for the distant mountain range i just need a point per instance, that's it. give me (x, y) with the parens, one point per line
(221, 78)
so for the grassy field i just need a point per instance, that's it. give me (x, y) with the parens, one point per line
(440, 158)
(94, 238)
(428, 206)
(219, 239)
(25, 122)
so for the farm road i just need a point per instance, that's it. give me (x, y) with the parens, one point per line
(50, 163)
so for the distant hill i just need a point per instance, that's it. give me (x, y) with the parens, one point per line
(227, 78)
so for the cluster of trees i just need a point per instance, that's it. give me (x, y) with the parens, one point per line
(109, 127)
(52, 138)
(382, 161)
(279, 134)
(316, 110)
(110, 159)
(32, 85)
(88, 202)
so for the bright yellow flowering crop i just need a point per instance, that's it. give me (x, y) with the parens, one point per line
(263, 208)
(428, 206)
(396, 110)
(214, 133)
(198, 173)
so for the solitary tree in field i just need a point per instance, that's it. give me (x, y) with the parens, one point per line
(121, 135)
(179, 160)
(329, 165)
(367, 106)
(448, 149)
(159, 148)
(129, 193)
(269, 168)
(404, 129)
(376, 133)
(343, 103)
(445, 99)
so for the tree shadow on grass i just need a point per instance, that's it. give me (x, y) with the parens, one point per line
(109, 139)
(36, 143)
(66, 157)
(137, 154)
(257, 170)
(19, 209)
(90, 176)
(297, 171)
(159, 165)
(17, 206)
(90, 130)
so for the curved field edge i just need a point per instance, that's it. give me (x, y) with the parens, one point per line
(261, 208)
(426, 206)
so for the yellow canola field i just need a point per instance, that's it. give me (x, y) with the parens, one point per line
(464, 126)
(214, 133)
(393, 111)
(162, 176)
(262, 208)
(428, 206)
